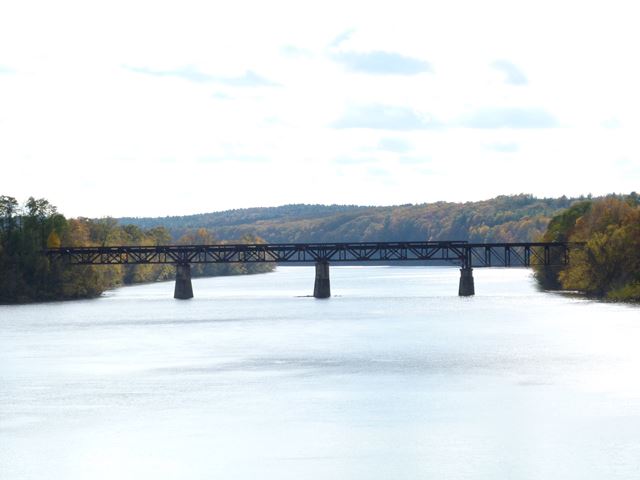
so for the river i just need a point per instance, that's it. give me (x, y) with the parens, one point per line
(394, 377)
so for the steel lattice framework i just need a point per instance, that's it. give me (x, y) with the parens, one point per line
(457, 252)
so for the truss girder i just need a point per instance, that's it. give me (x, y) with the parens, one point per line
(466, 254)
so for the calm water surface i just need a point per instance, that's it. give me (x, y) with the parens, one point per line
(395, 377)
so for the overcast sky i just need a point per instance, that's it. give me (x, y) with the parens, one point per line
(140, 108)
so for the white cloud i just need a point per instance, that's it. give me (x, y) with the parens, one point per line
(509, 118)
(394, 144)
(512, 74)
(384, 117)
(382, 63)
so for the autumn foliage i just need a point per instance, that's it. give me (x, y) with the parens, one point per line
(609, 264)
(28, 275)
(507, 218)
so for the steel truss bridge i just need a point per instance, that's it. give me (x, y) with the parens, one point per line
(466, 255)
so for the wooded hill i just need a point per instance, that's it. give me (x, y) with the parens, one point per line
(501, 219)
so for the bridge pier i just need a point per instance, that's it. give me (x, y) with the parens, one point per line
(322, 287)
(183, 288)
(467, 287)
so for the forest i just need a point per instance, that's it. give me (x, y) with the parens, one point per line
(27, 275)
(608, 266)
(501, 219)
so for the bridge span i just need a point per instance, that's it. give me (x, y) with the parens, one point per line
(466, 255)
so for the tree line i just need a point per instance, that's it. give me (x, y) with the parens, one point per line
(608, 266)
(27, 275)
(507, 218)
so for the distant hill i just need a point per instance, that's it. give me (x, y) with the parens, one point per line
(501, 219)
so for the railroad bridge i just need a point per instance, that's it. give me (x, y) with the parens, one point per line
(464, 254)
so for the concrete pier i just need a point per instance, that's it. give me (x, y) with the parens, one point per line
(322, 287)
(183, 288)
(466, 288)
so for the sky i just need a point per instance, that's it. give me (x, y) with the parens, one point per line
(136, 108)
